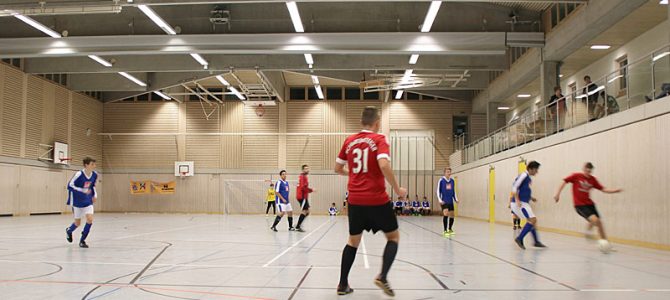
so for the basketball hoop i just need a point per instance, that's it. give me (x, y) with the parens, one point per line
(183, 175)
(260, 110)
(65, 160)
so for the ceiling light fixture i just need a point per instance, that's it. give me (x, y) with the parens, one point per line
(200, 60)
(236, 92)
(157, 19)
(398, 94)
(430, 16)
(223, 81)
(164, 96)
(132, 78)
(309, 59)
(503, 107)
(100, 60)
(662, 55)
(413, 59)
(600, 47)
(560, 75)
(295, 16)
(37, 25)
(319, 92)
(524, 95)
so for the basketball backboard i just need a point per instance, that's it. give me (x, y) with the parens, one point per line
(184, 168)
(61, 154)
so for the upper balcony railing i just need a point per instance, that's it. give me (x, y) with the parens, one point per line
(644, 80)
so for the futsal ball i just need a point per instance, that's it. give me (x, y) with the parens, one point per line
(604, 246)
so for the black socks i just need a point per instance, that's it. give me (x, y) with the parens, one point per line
(451, 223)
(348, 257)
(389, 256)
(300, 219)
(445, 222)
(290, 222)
(277, 219)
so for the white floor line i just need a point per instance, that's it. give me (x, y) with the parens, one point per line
(608, 290)
(166, 265)
(366, 263)
(295, 244)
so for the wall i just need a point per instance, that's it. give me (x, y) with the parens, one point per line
(219, 158)
(35, 111)
(629, 151)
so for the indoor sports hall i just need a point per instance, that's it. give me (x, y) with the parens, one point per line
(249, 149)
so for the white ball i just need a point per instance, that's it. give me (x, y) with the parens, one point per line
(604, 246)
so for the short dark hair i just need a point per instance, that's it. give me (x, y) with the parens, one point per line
(589, 165)
(587, 77)
(87, 161)
(272, 184)
(333, 204)
(282, 172)
(369, 116)
(533, 165)
(304, 166)
(447, 168)
(557, 88)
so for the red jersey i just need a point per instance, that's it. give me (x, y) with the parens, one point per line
(303, 189)
(581, 187)
(360, 153)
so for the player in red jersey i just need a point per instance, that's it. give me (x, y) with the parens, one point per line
(582, 183)
(365, 158)
(302, 195)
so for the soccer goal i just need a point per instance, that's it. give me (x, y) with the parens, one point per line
(248, 196)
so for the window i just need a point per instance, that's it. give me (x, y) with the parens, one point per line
(334, 93)
(352, 94)
(143, 97)
(573, 90)
(413, 96)
(371, 96)
(297, 93)
(622, 65)
(311, 93)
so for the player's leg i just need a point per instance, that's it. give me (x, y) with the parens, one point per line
(278, 217)
(385, 220)
(289, 212)
(595, 221)
(267, 209)
(445, 219)
(305, 212)
(87, 227)
(74, 225)
(451, 219)
(357, 223)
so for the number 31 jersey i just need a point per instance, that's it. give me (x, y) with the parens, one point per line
(360, 153)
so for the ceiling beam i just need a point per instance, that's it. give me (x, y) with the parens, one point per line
(182, 2)
(439, 43)
(105, 82)
(224, 63)
(156, 81)
(276, 80)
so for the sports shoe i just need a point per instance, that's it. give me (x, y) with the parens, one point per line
(451, 232)
(519, 242)
(68, 234)
(384, 285)
(83, 244)
(539, 245)
(291, 229)
(273, 229)
(299, 229)
(446, 233)
(344, 290)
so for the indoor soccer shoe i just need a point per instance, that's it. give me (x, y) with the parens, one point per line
(519, 242)
(83, 244)
(291, 229)
(540, 245)
(273, 229)
(299, 229)
(450, 232)
(68, 234)
(445, 234)
(344, 290)
(384, 285)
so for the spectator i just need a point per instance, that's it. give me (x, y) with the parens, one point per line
(665, 92)
(425, 207)
(557, 107)
(398, 206)
(406, 211)
(416, 206)
(332, 211)
(595, 109)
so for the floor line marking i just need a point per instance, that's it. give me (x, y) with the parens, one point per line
(297, 287)
(139, 275)
(366, 263)
(293, 246)
(161, 231)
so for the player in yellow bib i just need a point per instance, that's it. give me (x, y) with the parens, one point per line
(271, 200)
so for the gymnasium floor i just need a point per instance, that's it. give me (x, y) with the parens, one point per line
(152, 256)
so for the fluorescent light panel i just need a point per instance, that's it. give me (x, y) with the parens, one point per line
(524, 95)
(600, 47)
(662, 55)
(413, 59)
(223, 81)
(503, 107)
(295, 16)
(398, 94)
(200, 59)
(132, 78)
(430, 16)
(309, 59)
(319, 92)
(37, 25)
(157, 19)
(100, 60)
(236, 92)
(663, 2)
(159, 93)
(315, 80)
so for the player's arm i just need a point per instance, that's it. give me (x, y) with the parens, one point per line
(455, 193)
(516, 186)
(439, 191)
(387, 170)
(557, 197)
(95, 192)
(341, 169)
(277, 187)
(74, 187)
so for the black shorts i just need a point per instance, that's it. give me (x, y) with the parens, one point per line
(304, 204)
(372, 218)
(448, 206)
(586, 211)
(344, 204)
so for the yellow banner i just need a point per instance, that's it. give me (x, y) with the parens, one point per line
(140, 187)
(164, 188)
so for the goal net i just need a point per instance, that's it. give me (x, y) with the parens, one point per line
(247, 196)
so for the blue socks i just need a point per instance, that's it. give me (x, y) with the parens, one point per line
(72, 228)
(534, 233)
(526, 229)
(84, 233)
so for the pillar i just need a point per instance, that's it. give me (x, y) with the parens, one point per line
(549, 71)
(492, 117)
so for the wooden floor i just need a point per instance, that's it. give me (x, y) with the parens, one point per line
(152, 256)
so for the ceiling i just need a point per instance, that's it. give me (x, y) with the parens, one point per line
(352, 41)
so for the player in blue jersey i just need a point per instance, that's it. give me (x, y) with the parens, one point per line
(416, 206)
(82, 195)
(446, 194)
(425, 206)
(398, 207)
(332, 211)
(521, 206)
(283, 203)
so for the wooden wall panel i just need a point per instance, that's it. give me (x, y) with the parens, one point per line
(34, 116)
(232, 121)
(354, 110)
(334, 120)
(153, 117)
(305, 117)
(477, 123)
(62, 115)
(261, 151)
(12, 111)
(205, 151)
(86, 115)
